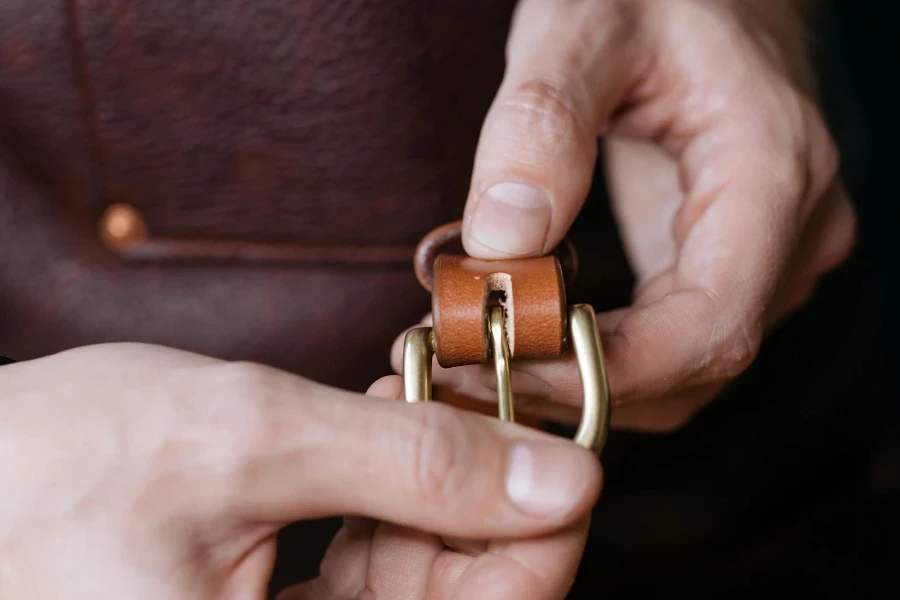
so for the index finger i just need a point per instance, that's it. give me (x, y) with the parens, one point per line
(317, 452)
(533, 569)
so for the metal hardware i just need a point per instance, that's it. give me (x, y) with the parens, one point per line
(500, 353)
(418, 352)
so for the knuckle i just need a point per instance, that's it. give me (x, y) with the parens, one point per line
(442, 455)
(791, 177)
(243, 395)
(616, 20)
(739, 348)
(792, 145)
(214, 457)
(778, 158)
(733, 344)
(547, 113)
(241, 379)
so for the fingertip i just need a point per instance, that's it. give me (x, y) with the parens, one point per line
(555, 482)
(389, 387)
(397, 346)
(508, 220)
(397, 353)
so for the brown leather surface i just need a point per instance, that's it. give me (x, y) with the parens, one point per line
(316, 121)
(432, 245)
(284, 157)
(533, 300)
(447, 238)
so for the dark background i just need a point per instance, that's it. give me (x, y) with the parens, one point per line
(790, 482)
(859, 53)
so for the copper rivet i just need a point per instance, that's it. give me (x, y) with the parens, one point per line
(122, 225)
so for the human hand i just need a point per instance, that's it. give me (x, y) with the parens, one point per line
(723, 182)
(371, 559)
(133, 471)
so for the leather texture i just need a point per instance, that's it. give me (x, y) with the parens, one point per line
(532, 295)
(447, 239)
(284, 157)
(433, 245)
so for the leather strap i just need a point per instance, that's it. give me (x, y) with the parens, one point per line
(531, 292)
(445, 235)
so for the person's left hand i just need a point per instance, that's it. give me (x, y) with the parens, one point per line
(373, 559)
(144, 472)
(722, 176)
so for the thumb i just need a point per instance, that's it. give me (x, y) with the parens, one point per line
(425, 466)
(568, 68)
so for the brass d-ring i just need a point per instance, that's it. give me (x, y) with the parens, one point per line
(418, 351)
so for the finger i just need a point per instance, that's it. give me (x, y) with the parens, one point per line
(568, 67)
(342, 573)
(447, 570)
(828, 241)
(345, 567)
(754, 175)
(645, 193)
(466, 546)
(702, 321)
(667, 414)
(401, 562)
(562, 404)
(389, 387)
(321, 452)
(536, 569)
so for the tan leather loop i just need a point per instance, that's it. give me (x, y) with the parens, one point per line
(534, 302)
(428, 249)
(431, 245)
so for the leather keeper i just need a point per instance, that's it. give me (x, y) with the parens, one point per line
(531, 292)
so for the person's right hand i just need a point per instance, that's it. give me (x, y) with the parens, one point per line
(133, 471)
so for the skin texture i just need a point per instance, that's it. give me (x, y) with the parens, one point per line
(144, 472)
(723, 178)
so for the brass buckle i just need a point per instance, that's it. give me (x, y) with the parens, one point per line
(418, 352)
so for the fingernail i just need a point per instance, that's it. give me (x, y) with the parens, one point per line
(511, 219)
(546, 479)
